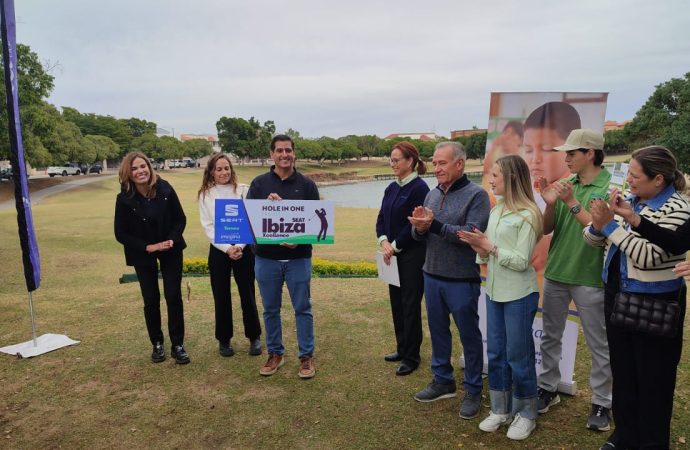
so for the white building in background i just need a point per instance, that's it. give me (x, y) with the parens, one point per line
(428, 136)
(212, 138)
(160, 132)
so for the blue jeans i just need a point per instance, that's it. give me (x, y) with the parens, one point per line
(296, 273)
(459, 299)
(510, 350)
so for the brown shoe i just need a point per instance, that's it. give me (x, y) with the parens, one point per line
(275, 361)
(306, 367)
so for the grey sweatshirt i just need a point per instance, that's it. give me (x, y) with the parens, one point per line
(464, 207)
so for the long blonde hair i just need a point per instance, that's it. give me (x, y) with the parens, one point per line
(125, 175)
(518, 190)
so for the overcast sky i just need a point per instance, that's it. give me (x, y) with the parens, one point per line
(348, 67)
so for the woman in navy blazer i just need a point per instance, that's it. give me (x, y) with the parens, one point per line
(395, 238)
(149, 222)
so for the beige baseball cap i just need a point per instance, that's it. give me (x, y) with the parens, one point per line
(582, 138)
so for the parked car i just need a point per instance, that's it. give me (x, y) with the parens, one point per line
(69, 169)
(8, 174)
(96, 168)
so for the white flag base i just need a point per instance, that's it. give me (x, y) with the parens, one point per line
(44, 344)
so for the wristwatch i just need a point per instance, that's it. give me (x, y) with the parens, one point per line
(576, 209)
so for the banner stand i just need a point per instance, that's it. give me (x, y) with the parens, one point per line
(27, 237)
(33, 319)
(37, 346)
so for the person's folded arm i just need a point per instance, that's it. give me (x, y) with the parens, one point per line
(673, 241)
(641, 251)
(519, 256)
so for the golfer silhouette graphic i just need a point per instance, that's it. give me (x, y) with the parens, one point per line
(324, 224)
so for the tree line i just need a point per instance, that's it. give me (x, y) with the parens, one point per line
(52, 136)
(249, 139)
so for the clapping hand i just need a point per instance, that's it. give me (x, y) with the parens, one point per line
(421, 219)
(619, 206)
(601, 214)
(548, 193)
(477, 240)
(564, 190)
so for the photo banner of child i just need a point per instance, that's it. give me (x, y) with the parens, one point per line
(531, 125)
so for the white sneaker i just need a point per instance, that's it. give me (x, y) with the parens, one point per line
(521, 428)
(494, 422)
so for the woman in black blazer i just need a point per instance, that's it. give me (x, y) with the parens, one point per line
(149, 222)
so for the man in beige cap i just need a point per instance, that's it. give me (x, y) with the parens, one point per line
(573, 271)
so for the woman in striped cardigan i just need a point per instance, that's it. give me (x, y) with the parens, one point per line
(643, 366)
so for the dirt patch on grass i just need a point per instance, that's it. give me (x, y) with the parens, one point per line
(262, 392)
(35, 184)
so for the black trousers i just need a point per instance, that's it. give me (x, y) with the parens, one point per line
(406, 304)
(220, 267)
(644, 380)
(171, 269)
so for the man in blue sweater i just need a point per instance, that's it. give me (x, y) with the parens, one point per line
(451, 275)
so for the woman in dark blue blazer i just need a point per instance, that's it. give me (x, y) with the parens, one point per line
(395, 238)
(149, 222)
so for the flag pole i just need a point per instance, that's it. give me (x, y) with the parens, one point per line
(25, 224)
(33, 319)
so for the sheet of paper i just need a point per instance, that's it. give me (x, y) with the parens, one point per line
(388, 273)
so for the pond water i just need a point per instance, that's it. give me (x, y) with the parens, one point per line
(365, 195)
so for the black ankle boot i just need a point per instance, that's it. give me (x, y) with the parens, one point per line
(158, 354)
(178, 352)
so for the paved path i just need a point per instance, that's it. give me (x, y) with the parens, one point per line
(37, 196)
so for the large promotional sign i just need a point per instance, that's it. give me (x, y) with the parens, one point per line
(531, 124)
(275, 222)
(231, 223)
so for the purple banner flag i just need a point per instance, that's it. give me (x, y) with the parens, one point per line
(27, 236)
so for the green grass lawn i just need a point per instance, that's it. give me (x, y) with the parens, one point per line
(105, 392)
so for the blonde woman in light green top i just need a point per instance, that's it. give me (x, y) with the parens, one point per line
(515, 227)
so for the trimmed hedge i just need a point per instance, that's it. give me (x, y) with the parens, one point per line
(340, 269)
(195, 265)
(320, 268)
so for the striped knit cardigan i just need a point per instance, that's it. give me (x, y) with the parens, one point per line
(646, 262)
